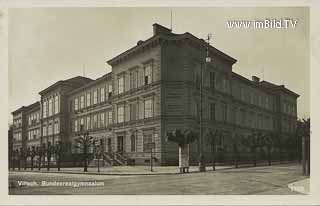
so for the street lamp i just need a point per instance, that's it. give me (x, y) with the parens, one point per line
(202, 165)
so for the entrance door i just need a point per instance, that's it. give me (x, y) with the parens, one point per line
(109, 145)
(120, 144)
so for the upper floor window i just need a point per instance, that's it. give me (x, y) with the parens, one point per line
(110, 119)
(224, 112)
(88, 122)
(212, 111)
(56, 105)
(44, 130)
(82, 102)
(148, 74)
(76, 104)
(102, 94)
(133, 111)
(50, 107)
(81, 124)
(134, 79)
(95, 96)
(102, 119)
(88, 99)
(120, 114)
(148, 108)
(109, 90)
(121, 84)
(50, 129)
(76, 128)
(95, 121)
(212, 80)
(56, 127)
(44, 109)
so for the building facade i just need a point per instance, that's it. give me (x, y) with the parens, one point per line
(154, 87)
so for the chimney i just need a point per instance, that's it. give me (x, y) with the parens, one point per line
(139, 42)
(158, 29)
(255, 79)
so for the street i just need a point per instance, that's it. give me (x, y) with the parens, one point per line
(271, 180)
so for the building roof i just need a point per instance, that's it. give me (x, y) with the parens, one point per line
(274, 87)
(27, 108)
(161, 32)
(265, 85)
(75, 81)
(97, 81)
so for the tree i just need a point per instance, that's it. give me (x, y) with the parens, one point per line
(32, 154)
(58, 151)
(49, 152)
(84, 142)
(40, 151)
(236, 142)
(253, 141)
(25, 155)
(268, 142)
(212, 139)
(303, 132)
(183, 139)
(279, 143)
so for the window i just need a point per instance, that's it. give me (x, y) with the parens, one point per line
(224, 112)
(102, 119)
(148, 74)
(133, 143)
(260, 121)
(56, 127)
(29, 120)
(120, 114)
(50, 129)
(148, 108)
(56, 105)
(133, 79)
(212, 80)
(76, 128)
(133, 111)
(76, 104)
(44, 109)
(95, 96)
(50, 107)
(110, 91)
(95, 121)
(110, 119)
(147, 138)
(120, 85)
(82, 102)
(81, 125)
(88, 99)
(224, 84)
(44, 130)
(88, 123)
(212, 111)
(102, 94)
(243, 117)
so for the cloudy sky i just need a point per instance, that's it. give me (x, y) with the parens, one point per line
(50, 44)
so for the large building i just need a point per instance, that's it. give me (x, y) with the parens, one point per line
(154, 87)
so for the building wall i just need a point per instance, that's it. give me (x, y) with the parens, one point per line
(155, 90)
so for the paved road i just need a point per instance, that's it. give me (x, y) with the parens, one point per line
(260, 180)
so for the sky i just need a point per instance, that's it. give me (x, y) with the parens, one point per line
(51, 44)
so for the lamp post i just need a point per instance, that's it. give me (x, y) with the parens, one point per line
(202, 165)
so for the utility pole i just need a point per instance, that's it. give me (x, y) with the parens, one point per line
(202, 165)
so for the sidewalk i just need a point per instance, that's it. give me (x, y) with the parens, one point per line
(122, 170)
(301, 186)
(137, 169)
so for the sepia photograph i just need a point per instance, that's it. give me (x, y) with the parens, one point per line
(158, 101)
